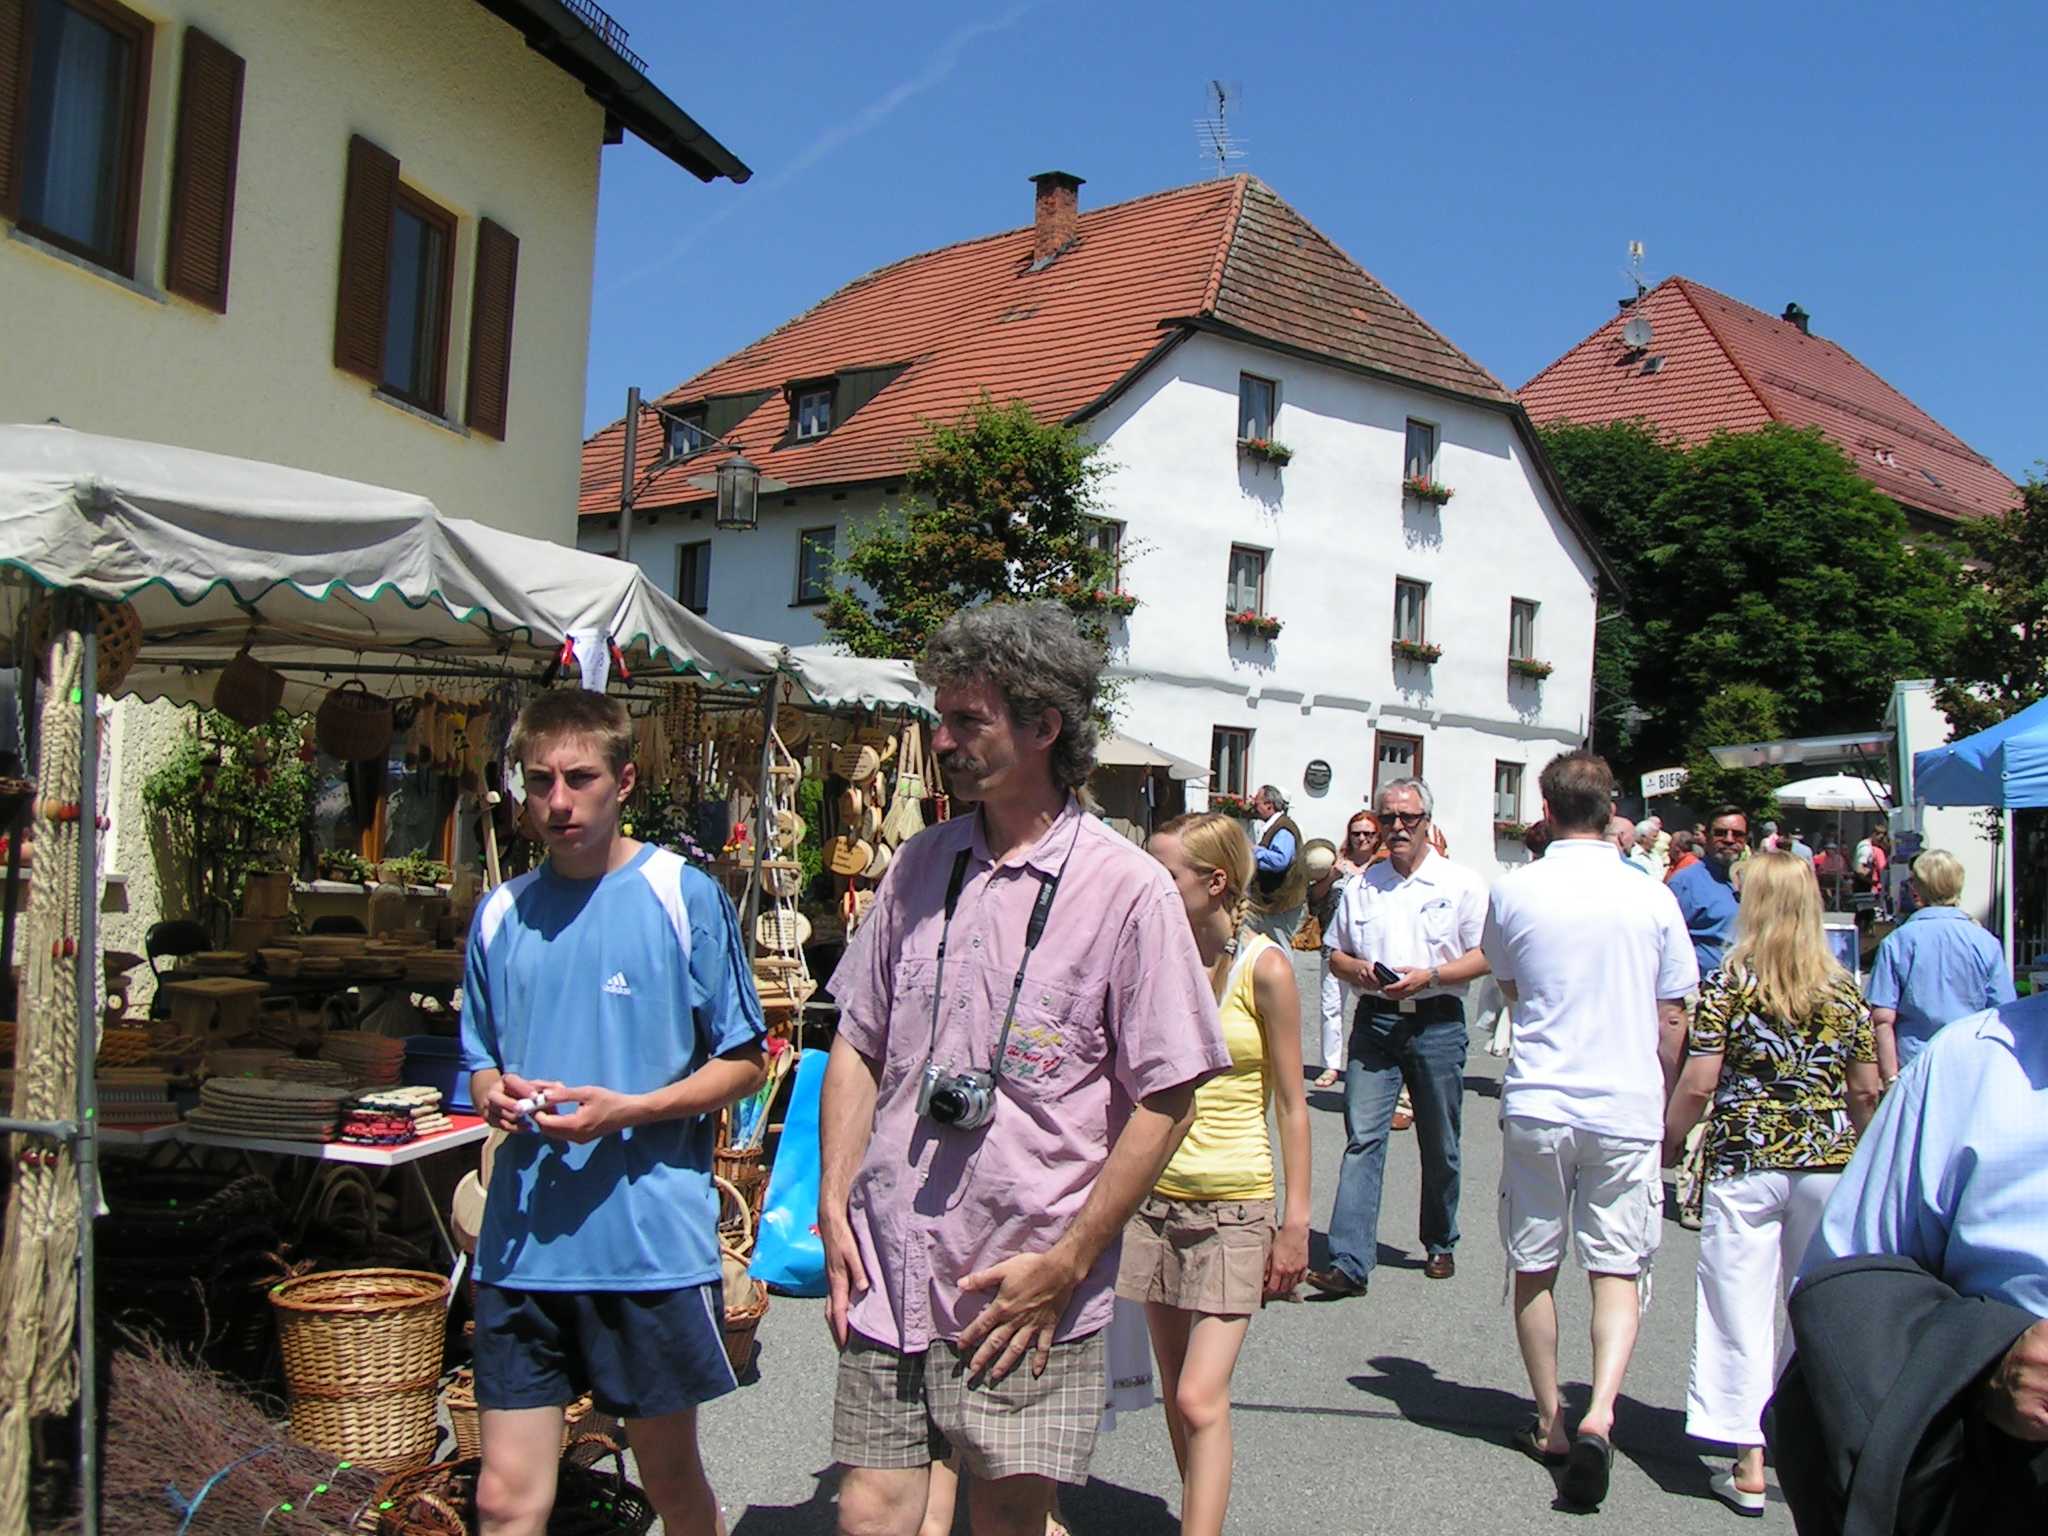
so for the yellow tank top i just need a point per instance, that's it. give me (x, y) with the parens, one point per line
(1227, 1154)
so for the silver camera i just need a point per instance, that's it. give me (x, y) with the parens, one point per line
(964, 1100)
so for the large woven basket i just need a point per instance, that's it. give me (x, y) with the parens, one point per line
(120, 639)
(362, 1362)
(353, 724)
(463, 1417)
(247, 691)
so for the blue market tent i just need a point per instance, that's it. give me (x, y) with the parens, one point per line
(2005, 766)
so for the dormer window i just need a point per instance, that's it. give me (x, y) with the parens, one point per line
(813, 413)
(686, 435)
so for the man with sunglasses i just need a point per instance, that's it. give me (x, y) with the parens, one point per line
(1706, 890)
(1407, 935)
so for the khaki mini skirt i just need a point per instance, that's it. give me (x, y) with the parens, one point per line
(1198, 1255)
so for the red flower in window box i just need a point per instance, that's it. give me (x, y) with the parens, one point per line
(1265, 449)
(1529, 666)
(1251, 622)
(1423, 488)
(1231, 805)
(1419, 651)
(1509, 831)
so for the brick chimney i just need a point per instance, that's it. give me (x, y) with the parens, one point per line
(1794, 315)
(1055, 215)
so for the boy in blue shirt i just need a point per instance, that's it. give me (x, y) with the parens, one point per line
(608, 1012)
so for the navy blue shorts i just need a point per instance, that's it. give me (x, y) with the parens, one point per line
(639, 1354)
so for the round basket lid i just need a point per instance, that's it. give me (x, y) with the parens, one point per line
(857, 762)
(851, 803)
(878, 866)
(782, 931)
(789, 828)
(848, 856)
(871, 823)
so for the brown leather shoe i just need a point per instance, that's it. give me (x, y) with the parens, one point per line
(1441, 1266)
(1334, 1282)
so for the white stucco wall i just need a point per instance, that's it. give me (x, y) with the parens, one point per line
(1922, 725)
(479, 123)
(1339, 532)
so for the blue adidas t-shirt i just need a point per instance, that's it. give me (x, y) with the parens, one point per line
(630, 982)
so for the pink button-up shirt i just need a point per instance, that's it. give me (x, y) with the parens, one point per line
(1116, 1006)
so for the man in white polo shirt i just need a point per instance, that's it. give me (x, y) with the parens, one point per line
(1417, 917)
(1597, 962)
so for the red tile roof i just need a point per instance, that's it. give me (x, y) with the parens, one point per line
(1221, 255)
(1726, 365)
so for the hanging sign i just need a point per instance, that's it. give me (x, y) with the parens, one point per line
(1663, 781)
(1316, 777)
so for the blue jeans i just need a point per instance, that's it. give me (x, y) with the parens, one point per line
(1425, 1049)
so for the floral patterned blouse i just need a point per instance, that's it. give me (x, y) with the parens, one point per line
(1782, 1101)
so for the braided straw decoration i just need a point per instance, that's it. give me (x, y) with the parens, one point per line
(38, 1299)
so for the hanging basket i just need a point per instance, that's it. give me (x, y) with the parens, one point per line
(362, 1362)
(353, 724)
(119, 628)
(247, 691)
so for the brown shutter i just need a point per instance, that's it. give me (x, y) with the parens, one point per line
(13, 99)
(359, 310)
(490, 327)
(203, 173)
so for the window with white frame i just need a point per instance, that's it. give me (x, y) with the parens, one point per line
(1421, 453)
(1507, 791)
(814, 551)
(1230, 761)
(1521, 629)
(814, 413)
(1258, 401)
(1246, 592)
(1411, 610)
(693, 575)
(686, 435)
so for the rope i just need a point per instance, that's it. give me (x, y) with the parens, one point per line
(38, 1295)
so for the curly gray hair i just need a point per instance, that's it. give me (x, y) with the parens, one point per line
(1037, 657)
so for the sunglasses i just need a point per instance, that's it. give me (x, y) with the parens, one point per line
(1410, 819)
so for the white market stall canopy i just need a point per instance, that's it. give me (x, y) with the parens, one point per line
(1830, 792)
(318, 572)
(1119, 751)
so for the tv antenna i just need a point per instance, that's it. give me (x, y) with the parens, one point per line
(1212, 131)
(1635, 331)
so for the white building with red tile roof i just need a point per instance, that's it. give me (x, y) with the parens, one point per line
(1171, 328)
(1713, 363)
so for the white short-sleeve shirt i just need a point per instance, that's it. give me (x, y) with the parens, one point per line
(1430, 917)
(1590, 947)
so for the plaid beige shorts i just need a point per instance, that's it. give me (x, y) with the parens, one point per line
(899, 1410)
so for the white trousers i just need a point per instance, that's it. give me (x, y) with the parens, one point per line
(1753, 1232)
(1339, 1003)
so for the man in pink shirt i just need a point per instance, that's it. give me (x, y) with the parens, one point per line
(1023, 1022)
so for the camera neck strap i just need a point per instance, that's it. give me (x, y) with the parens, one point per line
(1034, 930)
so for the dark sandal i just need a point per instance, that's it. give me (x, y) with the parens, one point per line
(1529, 1441)
(1587, 1470)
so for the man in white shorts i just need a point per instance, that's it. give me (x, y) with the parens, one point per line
(1596, 962)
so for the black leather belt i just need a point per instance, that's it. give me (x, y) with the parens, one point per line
(1427, 1010)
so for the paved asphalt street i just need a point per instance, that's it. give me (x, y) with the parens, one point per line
(1386, 1413)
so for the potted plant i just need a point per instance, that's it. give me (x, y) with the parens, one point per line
(1264, 450)
(1119, 602)
(1251, 622)
(1510, 831)
(1231, 805)
(1529, 666)
(1426, 488)
(1419, 651)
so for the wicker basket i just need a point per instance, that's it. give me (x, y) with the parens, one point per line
(441, 1500)
(745, 1171)
(353, 724)
(247, 691)
(459, 1398)
(120, 639)
(362, 1362)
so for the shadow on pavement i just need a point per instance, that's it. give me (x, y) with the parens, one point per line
(1104, 1506)
(816, 1514)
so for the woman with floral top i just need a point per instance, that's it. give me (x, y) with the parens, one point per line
(1782, 1046)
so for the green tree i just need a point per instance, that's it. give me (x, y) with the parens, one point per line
(2001, 654)
(1755, 557)
(1739, 712)
(999, 506)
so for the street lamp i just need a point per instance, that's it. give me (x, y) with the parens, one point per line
(739, 492)
(738, 482)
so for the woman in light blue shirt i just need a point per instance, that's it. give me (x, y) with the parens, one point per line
(1933, 968)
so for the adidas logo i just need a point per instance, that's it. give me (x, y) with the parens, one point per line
(617, 985)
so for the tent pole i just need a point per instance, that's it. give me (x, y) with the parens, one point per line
(2006, 902)
(85, 1149)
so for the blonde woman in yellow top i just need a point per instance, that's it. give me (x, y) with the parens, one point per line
(1202, 1253)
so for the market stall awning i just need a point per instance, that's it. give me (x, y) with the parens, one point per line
(1857, 747)
(1118, 751)
(2004, 765)
(832, 681)
(316, 572)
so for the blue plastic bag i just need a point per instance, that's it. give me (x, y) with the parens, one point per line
(789, 1254)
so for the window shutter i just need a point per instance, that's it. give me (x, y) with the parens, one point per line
(490, 327)
(203, 174)
(13, 94)
(359, 312)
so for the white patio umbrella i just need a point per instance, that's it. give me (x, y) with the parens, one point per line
(1831, 792)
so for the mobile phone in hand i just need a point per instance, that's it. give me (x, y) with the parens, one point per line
(1384, 973)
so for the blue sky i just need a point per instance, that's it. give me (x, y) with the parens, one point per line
(1878, 163)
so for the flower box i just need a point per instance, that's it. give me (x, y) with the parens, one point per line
(1423, 488)
(1510, 831)
(1264, 449)
(1419, 651)
(1232, 805)
(1249, 622)
(1119, 602)
(1529, 666)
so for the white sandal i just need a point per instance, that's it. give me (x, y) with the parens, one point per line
(1741, 1500)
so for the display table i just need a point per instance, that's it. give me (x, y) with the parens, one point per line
(466, 1131)
(208, 1005)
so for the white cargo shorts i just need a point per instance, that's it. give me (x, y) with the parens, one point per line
(1604, 1191)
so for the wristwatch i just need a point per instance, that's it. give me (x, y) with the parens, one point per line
(1436, 978)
